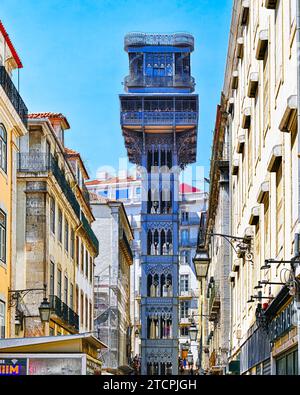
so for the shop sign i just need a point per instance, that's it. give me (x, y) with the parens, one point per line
(55, 366)
(282, 323)
(13, 367)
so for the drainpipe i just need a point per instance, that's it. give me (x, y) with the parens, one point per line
(297, 236)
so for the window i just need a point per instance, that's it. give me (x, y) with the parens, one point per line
(66, 235)
(184, 283)
(103, 193)
(2, 319)
(266, 226)
(82, 257)
(91, 316)
(81, 308)
(77, 250)
(185, 257)
(72, 243)
(287, 365)
(278, 42)
(2, 237)
(86, 313)
(52, 215)
(184, 331)
(59, 283)
(279, 210)
(91, 270)
(184, 309)
(86, 263)
(266, 92)
(77, 300)
(66, 290)
(71, 296)
(52, 271)
(122, 194)
(60, 225)
(3, 148)
(184, 216)
(138, 191)
(184, 236)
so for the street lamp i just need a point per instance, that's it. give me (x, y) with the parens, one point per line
(44, 308)
(45, 311)
(201, 261)
(193, 332)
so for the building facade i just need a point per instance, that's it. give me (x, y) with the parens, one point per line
(192, 201)
(159, 117)
(56, 246)
(13, 125)
(260, 101)
(112, 280)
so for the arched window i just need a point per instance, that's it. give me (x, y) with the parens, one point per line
(3, 148)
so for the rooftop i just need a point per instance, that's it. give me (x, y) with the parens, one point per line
(10, 46)
(147, 39)
(50, 116)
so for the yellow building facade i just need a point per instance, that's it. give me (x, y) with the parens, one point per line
(13, 124)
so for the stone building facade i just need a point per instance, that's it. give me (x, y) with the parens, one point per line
(56, 246)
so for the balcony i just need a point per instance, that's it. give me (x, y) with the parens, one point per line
(214, 302)
(86, 194)
(64, 313)
(176, 81)
(44, 163)
(13, 95)
(192, 242)
(159, 118)
(126, 245)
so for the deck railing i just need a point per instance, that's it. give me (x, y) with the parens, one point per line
(13, 95)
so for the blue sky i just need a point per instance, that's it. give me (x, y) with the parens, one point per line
(74, 62)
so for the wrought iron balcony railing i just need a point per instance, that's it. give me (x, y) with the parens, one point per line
(159, 118)
(64, 312)
(13, 95)
(177, 81)
(90, 233)
(41, 162)
(86, 194)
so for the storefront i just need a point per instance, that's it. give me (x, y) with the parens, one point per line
(282, 331)
(255, 353)
(283, 335)
(53, 355)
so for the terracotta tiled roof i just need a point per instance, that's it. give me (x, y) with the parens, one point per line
(50, 115)
(10, 46)
(70, 154)
(186, 188)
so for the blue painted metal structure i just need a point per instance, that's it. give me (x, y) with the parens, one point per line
(159, 120)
